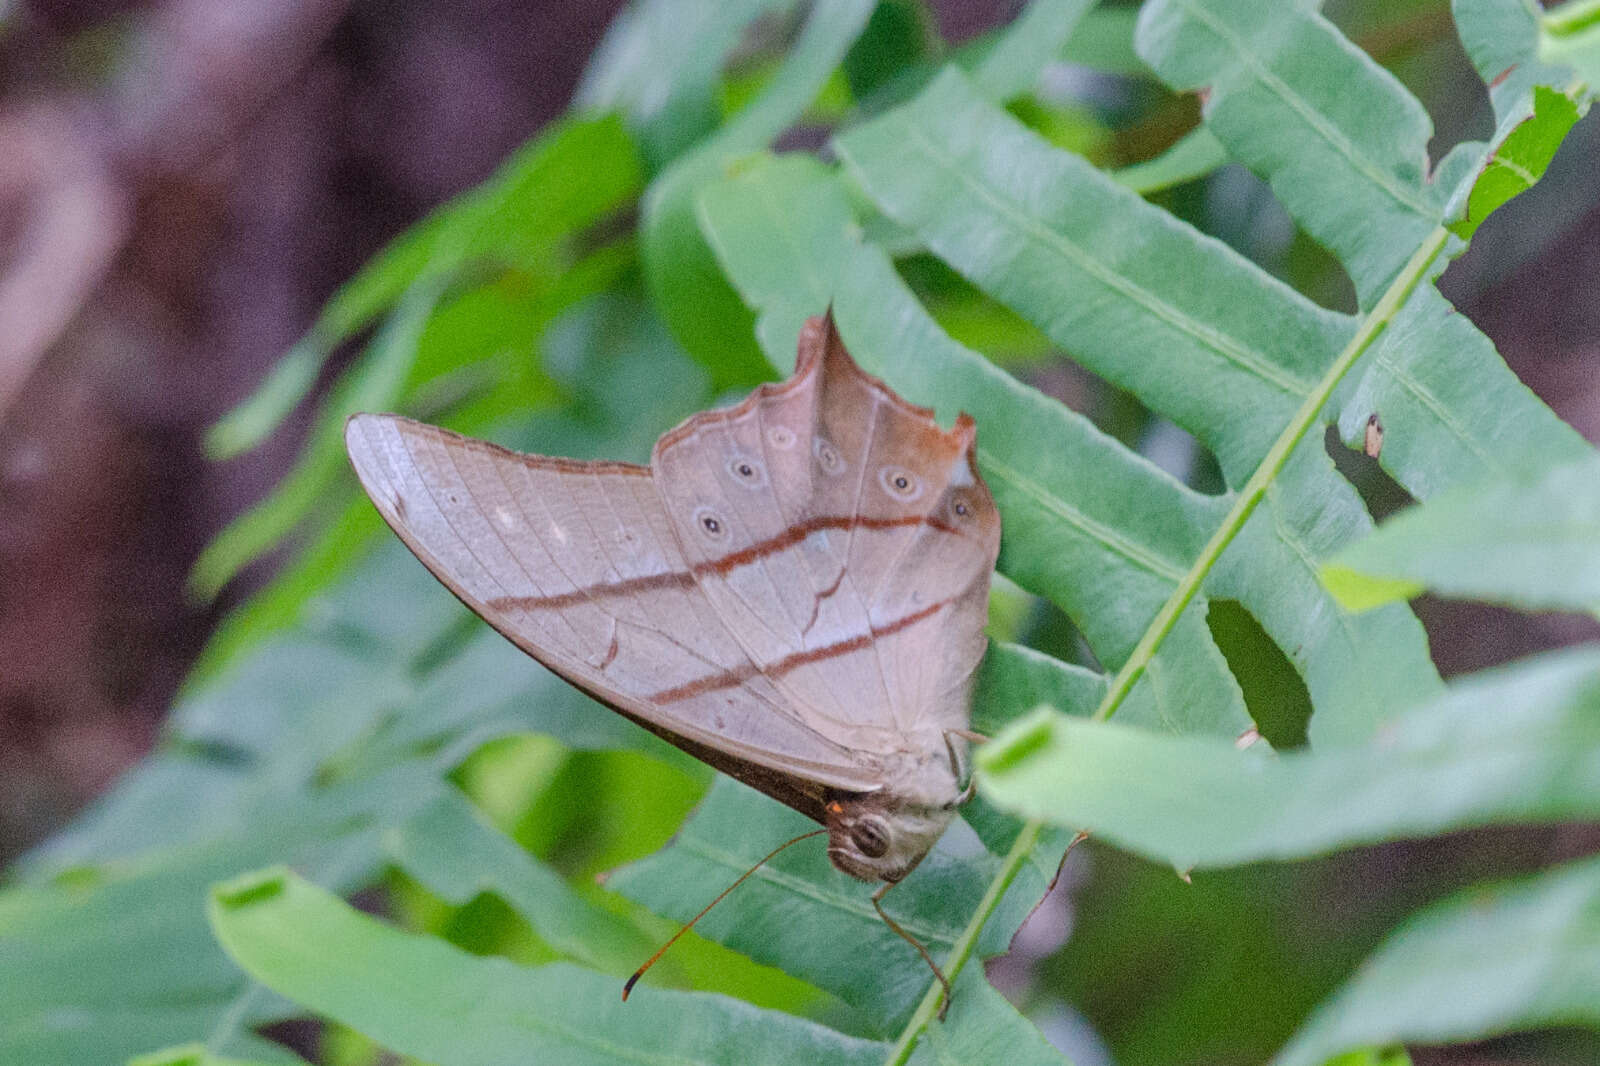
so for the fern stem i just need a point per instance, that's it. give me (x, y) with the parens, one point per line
(1254, 489)
(1371, 326)
(961, 950)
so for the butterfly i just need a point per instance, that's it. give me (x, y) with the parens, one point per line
(793, 591)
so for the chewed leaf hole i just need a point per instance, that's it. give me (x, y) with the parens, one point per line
(1274, 693)
(1380, 492)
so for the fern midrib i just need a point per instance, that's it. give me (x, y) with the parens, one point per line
(1244, 505)
(1331, 135)
(1108, 537)
(1440, 411)
(1228, 348)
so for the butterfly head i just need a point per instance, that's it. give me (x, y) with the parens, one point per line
(875, 836)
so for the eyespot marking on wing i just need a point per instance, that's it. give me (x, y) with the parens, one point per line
(828, 457)
(710, 524)
(900, 483)
(747, 472)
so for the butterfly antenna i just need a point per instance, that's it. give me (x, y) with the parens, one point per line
(877, 903)
(628, 987)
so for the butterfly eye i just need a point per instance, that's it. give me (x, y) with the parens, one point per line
(780, 437)
(828, 456)
(871, 838)
(747, 472)
(962, 508)
(900, 483)
(713, 527)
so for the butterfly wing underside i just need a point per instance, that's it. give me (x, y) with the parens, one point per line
(845, 540)
(577, 564)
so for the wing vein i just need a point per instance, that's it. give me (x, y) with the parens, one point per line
(849, 546)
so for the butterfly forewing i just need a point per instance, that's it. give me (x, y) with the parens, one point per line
(578, 564)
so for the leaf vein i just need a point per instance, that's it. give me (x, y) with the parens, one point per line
(1293, 541)
(1226, 347)
(1106, 535)
(1437, 408)
(1522, 174)
(1335, 138)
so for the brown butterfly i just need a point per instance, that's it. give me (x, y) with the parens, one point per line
(793, 591)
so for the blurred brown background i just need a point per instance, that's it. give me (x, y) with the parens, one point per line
(182, 185)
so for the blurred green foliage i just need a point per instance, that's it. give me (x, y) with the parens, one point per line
(1211, 298)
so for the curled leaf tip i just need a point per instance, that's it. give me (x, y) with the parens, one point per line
(250, 888)
(1017, 743)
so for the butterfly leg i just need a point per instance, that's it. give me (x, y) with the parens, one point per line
(877, 903)
(959, 767)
